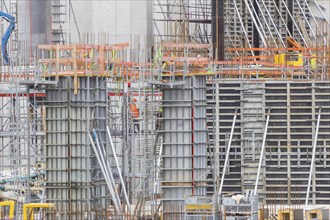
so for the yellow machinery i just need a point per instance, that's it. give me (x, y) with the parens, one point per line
(285, 214)
(28, 209)
(11, 205)
(294, 58)
(289, 59)
(313, 214)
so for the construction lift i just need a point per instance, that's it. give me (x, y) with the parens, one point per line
(6, 36)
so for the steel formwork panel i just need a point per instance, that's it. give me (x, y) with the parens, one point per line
(74, 182)
(294, 107)
(184, 142)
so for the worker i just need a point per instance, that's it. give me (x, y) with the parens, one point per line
(135, 115)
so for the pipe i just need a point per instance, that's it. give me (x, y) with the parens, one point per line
(192, 150)
(227, 155)
(259, 9)
(217, 138)
(242, 26)
(159, 159)
(262, 153)
(273, 23)
(110, 187)
(313, 158)
(117, 164)
(255, 23)
(306, 19)
(295, 24)
(107, 167)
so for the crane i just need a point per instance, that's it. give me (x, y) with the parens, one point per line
(6, 36)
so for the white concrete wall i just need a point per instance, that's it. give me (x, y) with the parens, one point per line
(326, 6)
(33, 21)
(322, 30)
(120, 19)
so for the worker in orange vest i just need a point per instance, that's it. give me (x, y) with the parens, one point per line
(135, 113)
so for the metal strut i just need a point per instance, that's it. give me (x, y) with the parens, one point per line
(262, 153)
(313, 157)
(227, 155)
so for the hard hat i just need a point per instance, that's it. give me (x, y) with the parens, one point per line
(134, 100)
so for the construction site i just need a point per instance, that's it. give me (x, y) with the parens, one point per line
(165, 109)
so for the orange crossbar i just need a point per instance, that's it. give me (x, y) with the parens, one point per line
(279, 49)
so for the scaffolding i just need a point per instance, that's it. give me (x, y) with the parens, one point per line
(182, 21)
(106, 130)
(22, 133)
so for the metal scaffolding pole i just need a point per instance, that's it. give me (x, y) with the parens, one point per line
(321, 11)
(107, 177)
(117, 165)
(313, 157)
(255, 22)
(262, 153)
(227, 155)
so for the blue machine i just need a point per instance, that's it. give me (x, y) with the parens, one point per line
(6, 36)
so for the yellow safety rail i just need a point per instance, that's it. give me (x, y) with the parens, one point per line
(11, 205)
(28, 209)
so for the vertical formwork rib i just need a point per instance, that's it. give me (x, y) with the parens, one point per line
(184, 143)
(295, 100)
(74, 183)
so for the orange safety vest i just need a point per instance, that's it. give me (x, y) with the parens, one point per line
(134, 110)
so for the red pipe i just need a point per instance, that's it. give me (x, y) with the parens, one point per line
(192, 147)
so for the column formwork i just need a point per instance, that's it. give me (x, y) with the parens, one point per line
(74, 181)
(184, 144)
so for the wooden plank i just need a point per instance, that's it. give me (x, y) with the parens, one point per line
(189, 45)
(55, 47)
(189, 59)
(101, 59)
(44, 124)
(83, 47)
(279, 49)
(57, 61)
(199, 207)
(75, 68)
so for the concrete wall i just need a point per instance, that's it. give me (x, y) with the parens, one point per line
(33, 21)
(326, 7)
(119, 19)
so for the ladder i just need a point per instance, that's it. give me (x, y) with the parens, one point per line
(14, 35)
(252, 122)
(302, 26)
(58, 13)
